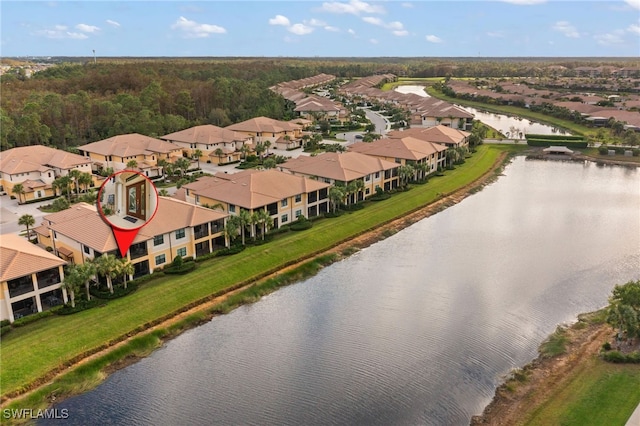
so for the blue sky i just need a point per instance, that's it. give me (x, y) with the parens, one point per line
(513, 28)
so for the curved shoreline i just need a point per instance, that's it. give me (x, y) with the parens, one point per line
(206, 310)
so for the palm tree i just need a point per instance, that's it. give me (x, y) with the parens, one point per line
(72, 282)
(264, 219)
(86, 271)
(19, 190)
(231, 228)
(267, 144)
(219, 153)
(27, 220)
(163, 192)
(107, 265)
(85, 180)
(63, 183)
(244, 220)
(132, 164)
(183, 165)
(421, 169)
(197, 153)
(260, 148)
(244, 150)
(336, 195)
(74, 175)
(126, 268)
(405, 173)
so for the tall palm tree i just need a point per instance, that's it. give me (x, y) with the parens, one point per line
(63, 183)
(107, 265)
(197, 153)
(18, 189)
(245, 219)
(126, 268)
(219, 153)
(267, 145)
(74, 175)
(86, 271)
(27, 221)
(132, 164)
(72, 282)
(85, 180)
(231, 228)
(405, 173)
(244, 150)
(336, 195)
(264, 220)
(163, 192)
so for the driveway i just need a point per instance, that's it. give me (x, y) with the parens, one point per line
(10, 212)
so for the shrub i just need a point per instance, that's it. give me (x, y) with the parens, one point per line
(34, 317)
(5, 329)
(117, 291)
(301, 224)
(179, 268)
(231, 250)
(60, 204)
(81, 305)
(4, 323)
(603, 150)
(635, 152)
(617, 357)
(606, 346)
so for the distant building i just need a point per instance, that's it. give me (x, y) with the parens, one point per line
(208, 139)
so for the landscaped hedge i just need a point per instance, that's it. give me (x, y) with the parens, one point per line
(554, 137)
(231, 250)
(548, 142)
(301, 224)
(117, 291)
(34, 317)
(81, 305)
(181, 269)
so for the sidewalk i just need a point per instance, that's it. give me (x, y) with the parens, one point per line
(634, 420)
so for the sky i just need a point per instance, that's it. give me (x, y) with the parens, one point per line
(352, 28)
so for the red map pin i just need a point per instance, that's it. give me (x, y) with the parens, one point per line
(127, 201)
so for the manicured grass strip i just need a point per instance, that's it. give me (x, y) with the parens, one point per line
(32, 351)
(601, 394)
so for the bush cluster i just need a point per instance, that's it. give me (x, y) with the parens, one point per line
(618, 357)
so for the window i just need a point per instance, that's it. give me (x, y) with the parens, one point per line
(158, 239)
(298, 213)
(367, 191)
(232, 208)
(298, 198)
(367, 178)
(284, 202)
(160, 259)
(197, 199)
(179, 233)
(182, 252)
(284, 218)
(86, 249)
(377, 175)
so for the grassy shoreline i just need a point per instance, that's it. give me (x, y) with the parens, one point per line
(34, 354)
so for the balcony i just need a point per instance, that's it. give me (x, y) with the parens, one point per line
(201, 231)
(138, 250)
(20, 286)
(48, 278)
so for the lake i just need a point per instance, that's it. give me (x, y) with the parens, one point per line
(417, 329)
(503, 123)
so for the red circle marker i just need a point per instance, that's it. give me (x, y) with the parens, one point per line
(127, 201)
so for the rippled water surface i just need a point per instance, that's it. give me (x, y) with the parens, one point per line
(417, 329)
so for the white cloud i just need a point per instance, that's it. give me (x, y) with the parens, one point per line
(60, 32)
(400, 33)
(433, 38)
(280, 20)
(315, 22)
(567, 29)
(609, 39)
(87, 28)
(354, 7)
(633, 3)
(373, 41)
(332, 29)
(407, 5)
(373, 20)
(524, 2)
(300, 29)
(634, 28)
(192, 29)
(350, 31)
(396, 27)
(495, 34)
(114, 23)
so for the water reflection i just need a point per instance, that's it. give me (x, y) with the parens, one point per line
(417, 329)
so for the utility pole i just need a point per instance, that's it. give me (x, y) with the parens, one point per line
(94, 56)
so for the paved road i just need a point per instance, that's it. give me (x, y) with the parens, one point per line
(382, 124)
(10, 212)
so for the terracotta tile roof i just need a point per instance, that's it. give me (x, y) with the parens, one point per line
(343, 167)
(408, 148)
(437, 134)
(253, 189)
(40, 158)
(130, 145)
(316, 103)
(264, 124)
(206, 134)
(19, 257)
(84, 224)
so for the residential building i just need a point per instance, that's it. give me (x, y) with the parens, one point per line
(117, 151)
(208, 139)
(36, 167)
(444, 135)
(406, 151)
(30, 278)
(280, 134)
(177, 229)
(316, 107)
(282, 195)
(344, 168)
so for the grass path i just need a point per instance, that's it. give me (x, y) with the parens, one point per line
(35, 350)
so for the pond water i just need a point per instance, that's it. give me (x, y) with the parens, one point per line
(505, 124)
(417, 329)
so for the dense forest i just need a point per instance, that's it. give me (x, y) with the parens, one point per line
(73, 103)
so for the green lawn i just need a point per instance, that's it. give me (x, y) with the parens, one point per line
(600, 394)
(32, 351)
